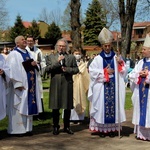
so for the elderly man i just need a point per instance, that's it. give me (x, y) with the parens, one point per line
(24, 97)
(139, 83)
(107, 84)
(61, 66)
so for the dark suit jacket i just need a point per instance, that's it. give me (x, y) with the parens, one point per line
(61, 86)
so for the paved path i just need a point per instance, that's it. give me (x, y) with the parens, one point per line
(43, 139)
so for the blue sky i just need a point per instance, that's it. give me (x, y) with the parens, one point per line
(31, 9)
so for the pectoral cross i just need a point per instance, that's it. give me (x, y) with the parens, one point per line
(109, 66)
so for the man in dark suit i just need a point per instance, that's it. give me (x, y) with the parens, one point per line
(61, 66)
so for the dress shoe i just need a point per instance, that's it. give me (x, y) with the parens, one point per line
(18, 135)
(112, 134)
(56, 131)
(68, 130)
(29, 134)
(137, 138)
(102, 135)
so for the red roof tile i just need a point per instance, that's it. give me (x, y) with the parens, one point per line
(141, 24)
(27, 24)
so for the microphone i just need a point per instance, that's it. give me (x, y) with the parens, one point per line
(62, 62)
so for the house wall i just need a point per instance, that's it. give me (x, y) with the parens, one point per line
(43, 27)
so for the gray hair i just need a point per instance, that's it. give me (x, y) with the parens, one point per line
(65, 41)
(17, 39)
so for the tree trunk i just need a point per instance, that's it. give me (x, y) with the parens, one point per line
(126, 13)
(75, 24)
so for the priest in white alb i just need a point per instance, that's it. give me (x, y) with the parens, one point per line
(140, 85)
(24, 99)
(4, 78)
(107, 88)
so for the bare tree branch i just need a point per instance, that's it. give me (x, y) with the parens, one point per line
(3, 14)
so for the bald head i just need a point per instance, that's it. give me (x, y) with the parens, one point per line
(20, 42)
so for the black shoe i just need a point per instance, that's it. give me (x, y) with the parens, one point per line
(56, 131)
(29, 134)
(137, 138)
(68, 130)
(112, 134)
(102, 135)
(16, 135)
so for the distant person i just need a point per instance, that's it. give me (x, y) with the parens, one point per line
(90, 60)
(24, 98)
(129, 63)
(62, 66)
(80, 87)
(5, 52)
(140, 85)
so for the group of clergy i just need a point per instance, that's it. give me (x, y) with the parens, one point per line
(20, 88)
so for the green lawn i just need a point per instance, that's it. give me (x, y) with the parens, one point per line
(128, 102)
(48, 114)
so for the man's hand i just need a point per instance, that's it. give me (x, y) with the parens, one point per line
(63, 69)
(1, 71)
(61, 57)
(34, 63)
(143, 73)
(118, 59)
(110, 70)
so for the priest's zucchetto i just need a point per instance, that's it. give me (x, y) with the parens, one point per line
(105, 36)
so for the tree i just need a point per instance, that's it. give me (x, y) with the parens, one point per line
(18, 29)
(94, 22)
(66, 18)
(34, 30)
(49, 17)
(53, 33)
(75, 24)
(110, 11)
(66, 23)
(126, 12)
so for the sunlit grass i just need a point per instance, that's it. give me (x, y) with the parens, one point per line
(47, 111)
(128, 102)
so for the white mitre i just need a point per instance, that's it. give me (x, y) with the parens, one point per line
(105, 36)
(147, 41)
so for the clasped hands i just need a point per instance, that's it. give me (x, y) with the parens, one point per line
(60, 58)
(110, 71)
(34, 63)
(143, 73)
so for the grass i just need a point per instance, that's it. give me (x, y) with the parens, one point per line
(46, 83)
(128, 102)
(48, 112)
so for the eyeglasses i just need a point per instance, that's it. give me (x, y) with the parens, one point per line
(61, 46)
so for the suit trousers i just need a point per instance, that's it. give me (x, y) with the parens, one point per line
(66, 120)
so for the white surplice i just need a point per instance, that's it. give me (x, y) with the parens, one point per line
(3, 86)
(96, 96)
(142, 132)
(19, 120)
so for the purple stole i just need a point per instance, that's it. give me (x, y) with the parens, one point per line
(109, 90)
(143, 92)
(32, 105)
